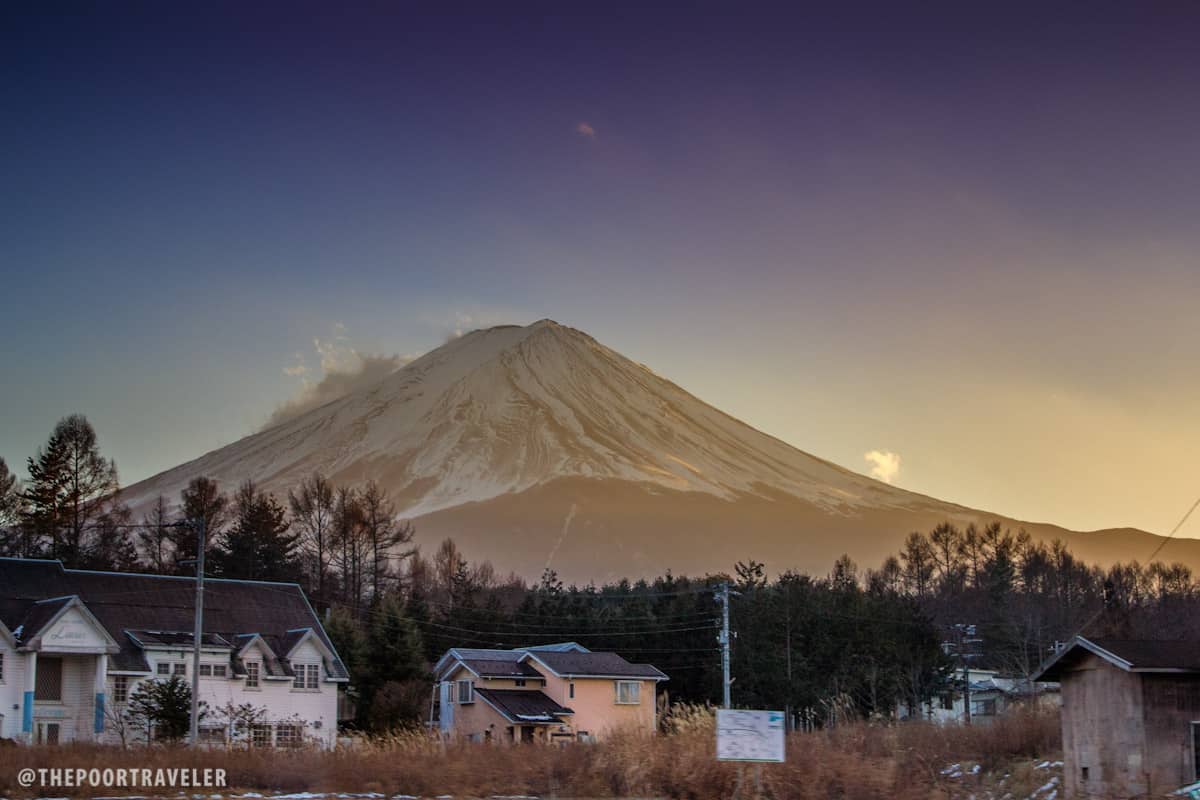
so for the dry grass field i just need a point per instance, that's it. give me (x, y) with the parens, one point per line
(854, 761)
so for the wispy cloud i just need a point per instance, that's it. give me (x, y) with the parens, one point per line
(344, 370)
(885, 464)
(584, 129)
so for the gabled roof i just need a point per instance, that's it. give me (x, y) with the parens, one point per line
(566, 659)
(523, 706)
(593, 665)
(44, 613)
(560, 647)
(135, 602)
(1130, 655)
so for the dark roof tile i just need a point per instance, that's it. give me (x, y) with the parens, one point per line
(596, 664)
(518, 705)
(124, 601)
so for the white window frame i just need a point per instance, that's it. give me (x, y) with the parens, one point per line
(468, 694)
(635, 690)
(261, 734)
(121, 686)
(211, 670)
(180, 669)
(163, 668)
(253, 676)
(289, 735)
(307, 677)
(212, 734)
(1, 668)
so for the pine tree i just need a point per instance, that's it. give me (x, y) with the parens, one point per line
(259, 544)
(396, 664)
(163, 707)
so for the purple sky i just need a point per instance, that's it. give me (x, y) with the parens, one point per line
(964, 237)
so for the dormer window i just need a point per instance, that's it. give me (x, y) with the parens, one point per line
(308, 677)
(252, 674)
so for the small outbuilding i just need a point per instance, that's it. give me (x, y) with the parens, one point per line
(1130, 715)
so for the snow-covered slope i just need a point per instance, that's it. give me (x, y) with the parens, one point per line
(510, 437)
(502, 410)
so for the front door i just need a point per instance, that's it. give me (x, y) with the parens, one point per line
(47, 732)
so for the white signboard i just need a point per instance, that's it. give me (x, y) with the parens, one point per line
(749, 735)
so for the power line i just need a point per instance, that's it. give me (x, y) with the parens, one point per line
(570, 634)
(1174, 531)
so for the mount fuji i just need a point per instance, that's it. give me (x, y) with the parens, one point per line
(539, 447)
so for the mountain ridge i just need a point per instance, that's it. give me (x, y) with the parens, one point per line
(525, 423)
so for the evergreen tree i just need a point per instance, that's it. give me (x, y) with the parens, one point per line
(163, 709)
(396, 663)
(258, 545)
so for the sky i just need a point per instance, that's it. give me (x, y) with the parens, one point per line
(955, 247)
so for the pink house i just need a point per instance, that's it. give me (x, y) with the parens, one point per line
(551, 693)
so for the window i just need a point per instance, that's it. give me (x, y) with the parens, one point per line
(163, 669)
(629, 693)
(252, 674)
(211, 734)
(571, 690)
(48, 685)
(260, 735)
(120, 689)
(308, 677)
(466, 692)
(1, 667)
(984, 708)
(1195, 751)
(180, 670)
(220, 670)
(288, 735)
(212, 671)
(519, 682)
(206, 670)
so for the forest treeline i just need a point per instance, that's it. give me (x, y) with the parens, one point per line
(853, 641)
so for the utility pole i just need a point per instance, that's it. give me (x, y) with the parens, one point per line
(966, 638)
(724, 640)
(198, 631)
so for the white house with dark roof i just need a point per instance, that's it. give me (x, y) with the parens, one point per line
(75, 644)
(549, 693)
